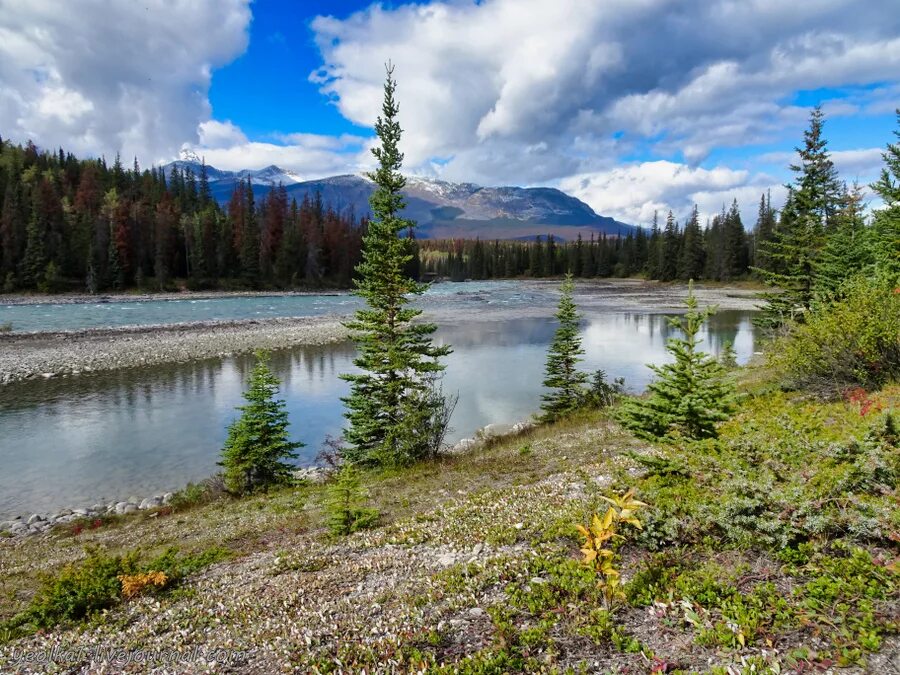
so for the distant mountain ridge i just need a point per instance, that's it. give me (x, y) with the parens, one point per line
(441, 209)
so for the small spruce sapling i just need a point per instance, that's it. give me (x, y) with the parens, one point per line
(690, 395)
(345, 503)
(562, 375)
(258, 446)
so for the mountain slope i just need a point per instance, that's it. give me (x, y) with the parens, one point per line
(441, 209)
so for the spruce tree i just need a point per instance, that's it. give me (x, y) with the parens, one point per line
(394, 394)
(562, 376)
(885, 233)
(846, 250)
(693, 257)
(814, 202)
(258, 445)
(690, 395)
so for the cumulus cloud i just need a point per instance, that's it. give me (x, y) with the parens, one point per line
(105, 77)
(634, 192)
(478, 80)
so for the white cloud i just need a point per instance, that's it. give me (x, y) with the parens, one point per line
(103, 77)
(485, 83)
(633, 192)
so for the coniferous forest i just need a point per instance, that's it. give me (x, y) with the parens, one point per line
(80, 225)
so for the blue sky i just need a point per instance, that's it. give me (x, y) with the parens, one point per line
(632, 106)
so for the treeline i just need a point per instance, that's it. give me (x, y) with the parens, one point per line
(70, 224)
(723, 251)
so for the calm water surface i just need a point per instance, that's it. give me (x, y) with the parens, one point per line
(72, 442)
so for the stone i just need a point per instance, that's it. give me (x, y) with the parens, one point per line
(313, 474)
(80, 512)
(34, 518)
(537, 580)
(476, 611)
(494, 430)
(65, 512)
(150, 502)
(446, 559)
(130, 508)
(478, 548)
(519, 526)
(166, 498)
(463, 445)
(120, 507)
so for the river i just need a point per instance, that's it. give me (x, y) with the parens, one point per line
(76, 441)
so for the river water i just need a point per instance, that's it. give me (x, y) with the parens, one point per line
(76, 441)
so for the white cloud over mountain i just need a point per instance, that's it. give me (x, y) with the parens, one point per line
(498, 91)
(99, 77)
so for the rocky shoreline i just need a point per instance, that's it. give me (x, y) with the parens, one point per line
(25, 356)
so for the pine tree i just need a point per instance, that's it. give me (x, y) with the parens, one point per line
(690, 395)
(561, 371)
(258, 445)
(399, 363)
(764, 232)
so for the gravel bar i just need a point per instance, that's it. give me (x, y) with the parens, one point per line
(32, 355)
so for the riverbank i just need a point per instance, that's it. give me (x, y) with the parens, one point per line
(752, 558)
(32, 355)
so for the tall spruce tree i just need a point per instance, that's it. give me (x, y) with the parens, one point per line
(690, 395)
(562, 375)
(258, 445)
(814, 202)
(846, 251)
(394, 395)
(693, 257)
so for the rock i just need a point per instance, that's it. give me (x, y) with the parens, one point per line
(463, 445)
(519, 427)
(446, 559)
(478, 549)
(313, 474)
(34, 518)
(120, 507)
(150, 502)
(80, 512)
(130, 508)
(65, 512)
(166, 498)
(476, 612)
(537, 580)
(494, 430)
(519, 526)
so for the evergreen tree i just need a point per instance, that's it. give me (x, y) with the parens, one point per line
(399, 363)
(846, 250)
(885, 234)
(690, 395)
(561, 371)
(345, 501)
(813, 204)
(257, 447)
(764, 232)
(693, 255)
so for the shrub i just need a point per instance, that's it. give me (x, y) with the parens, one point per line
(6, 327)
(602, 394)
(601, 538)
(852, 342)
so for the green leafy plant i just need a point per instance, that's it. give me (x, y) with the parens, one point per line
(258, 444)
(601, 538)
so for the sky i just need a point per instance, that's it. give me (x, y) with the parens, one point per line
(634, 106)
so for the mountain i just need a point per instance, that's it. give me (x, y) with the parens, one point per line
(441, 209)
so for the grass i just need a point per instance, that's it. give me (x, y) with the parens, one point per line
(773, 548)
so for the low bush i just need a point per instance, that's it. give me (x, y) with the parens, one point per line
(100, 582)
(854, 342)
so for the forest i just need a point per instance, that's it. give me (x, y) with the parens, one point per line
(80, 225)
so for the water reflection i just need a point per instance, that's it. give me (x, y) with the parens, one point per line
(71, 442)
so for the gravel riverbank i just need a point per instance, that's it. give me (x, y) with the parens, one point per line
(32, 355)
